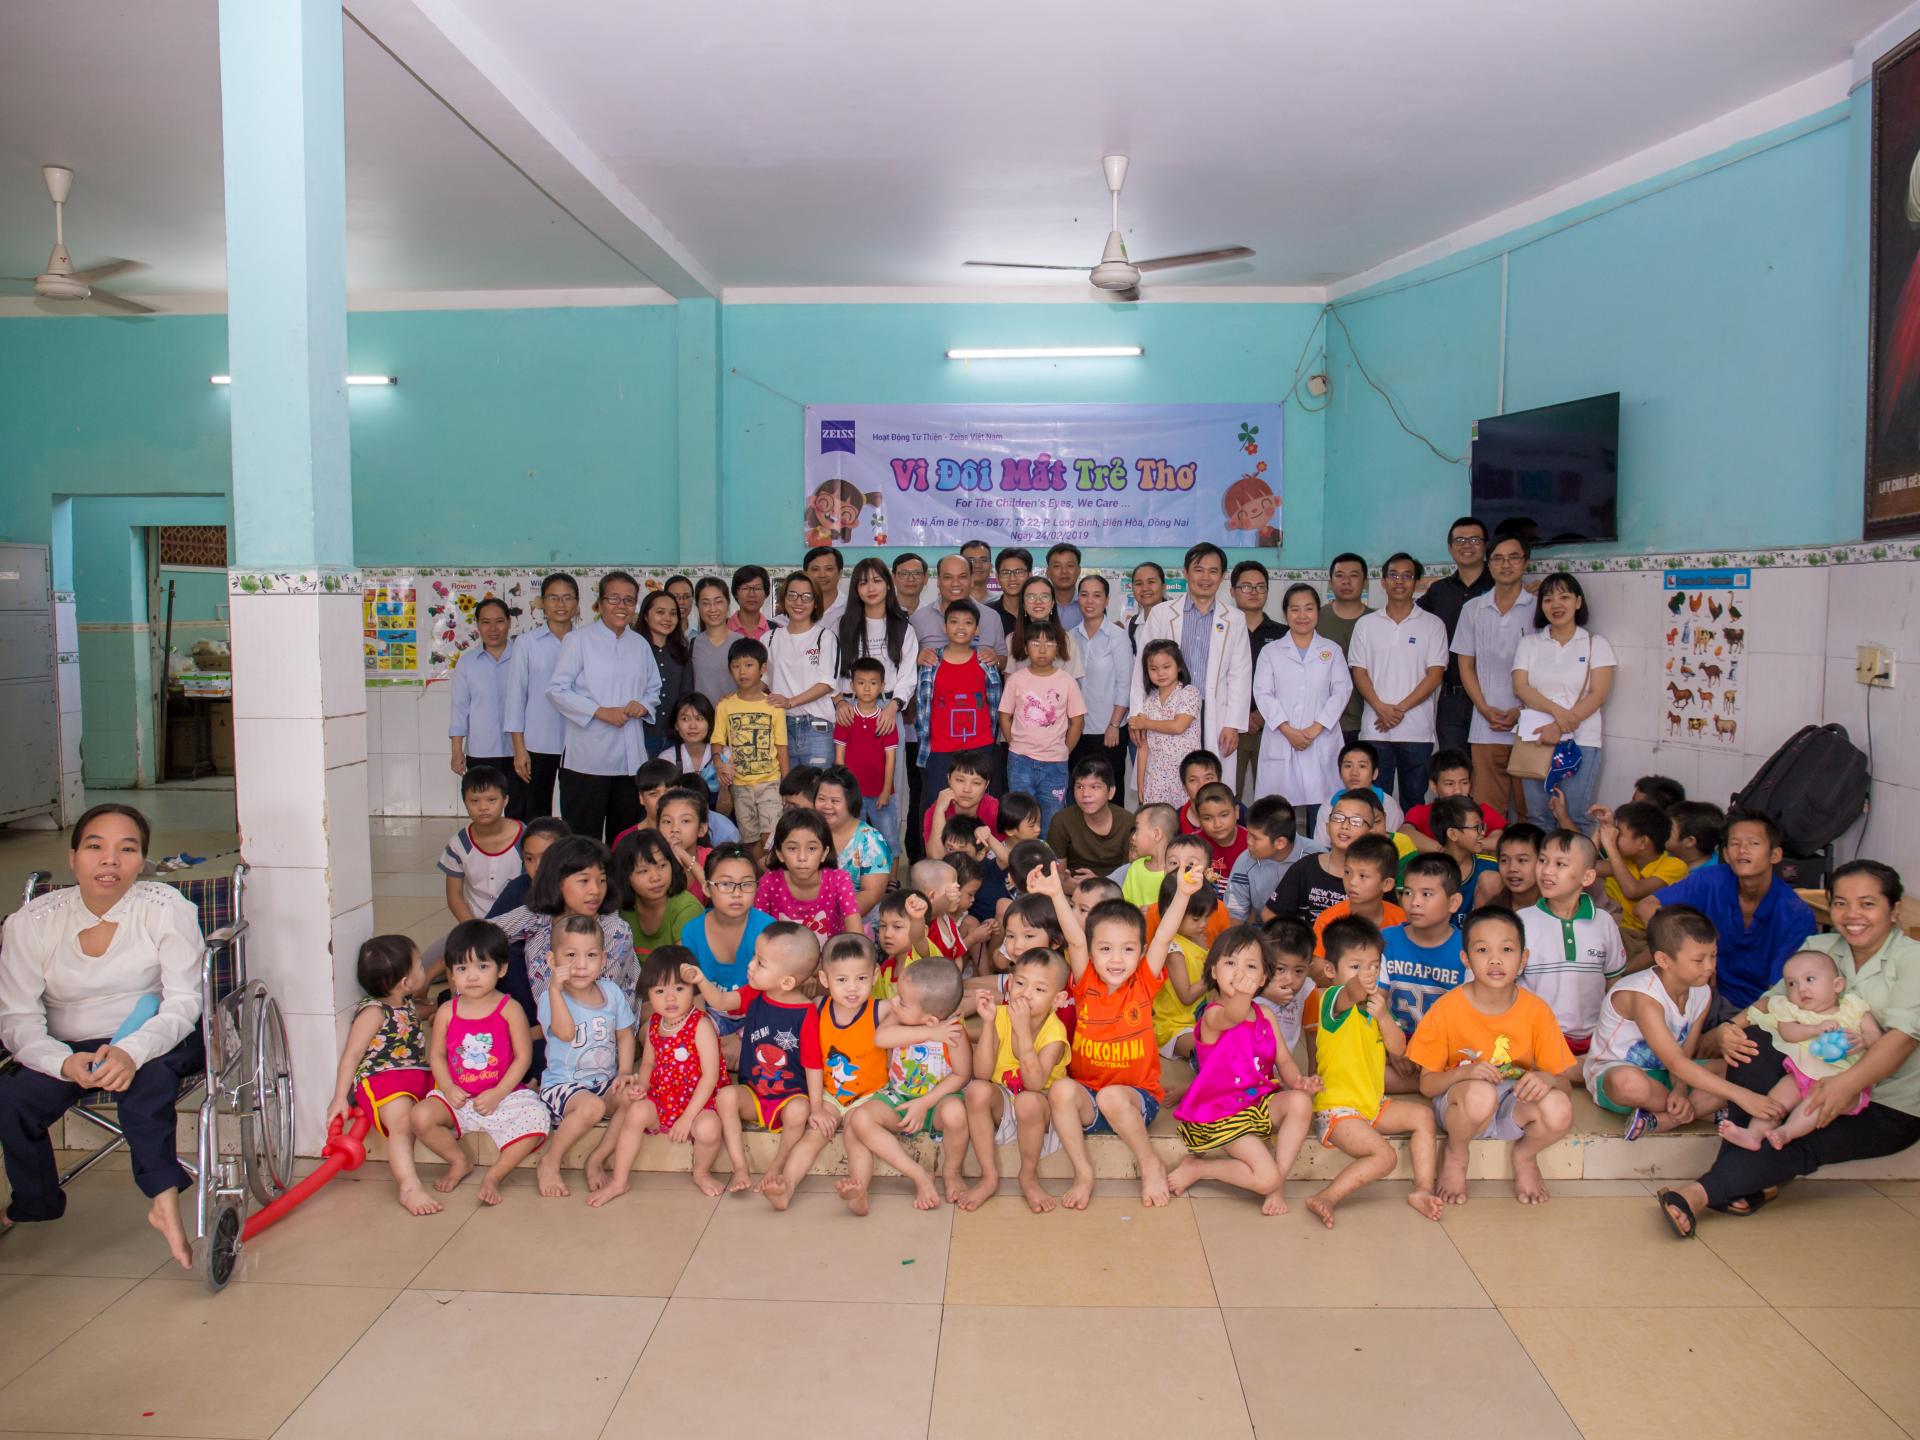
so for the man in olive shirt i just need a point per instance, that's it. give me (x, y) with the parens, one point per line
(1348, 579)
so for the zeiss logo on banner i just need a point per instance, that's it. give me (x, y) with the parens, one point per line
(836, 435)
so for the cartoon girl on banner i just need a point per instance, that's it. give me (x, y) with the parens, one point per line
(1251, 506)
(835, 510)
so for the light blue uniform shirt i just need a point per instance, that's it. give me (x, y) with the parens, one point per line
(530, 713)
(1107, 657)
(596, 668)
(480, 702)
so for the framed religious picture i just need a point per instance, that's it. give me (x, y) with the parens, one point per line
(1893, 346)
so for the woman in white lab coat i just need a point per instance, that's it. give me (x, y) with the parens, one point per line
(1301, 685)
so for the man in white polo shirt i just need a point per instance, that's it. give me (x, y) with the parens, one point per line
(1490, 630)
(1398, 658)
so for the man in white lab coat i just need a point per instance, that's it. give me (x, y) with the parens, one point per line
(1212, 636)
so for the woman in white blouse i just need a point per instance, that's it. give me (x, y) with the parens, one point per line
(1562, 676)
(100, 990)
(803, 672)
(1301, 685)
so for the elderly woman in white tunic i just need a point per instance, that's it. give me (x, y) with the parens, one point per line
(100, 990)
(1301, 685)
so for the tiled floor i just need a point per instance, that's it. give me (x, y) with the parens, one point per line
(674, 1314)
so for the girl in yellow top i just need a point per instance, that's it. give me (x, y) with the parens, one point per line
(1352, 1112)
(1174, 1007)
(1021, 1051)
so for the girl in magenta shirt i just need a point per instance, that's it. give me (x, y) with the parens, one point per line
(804, 882)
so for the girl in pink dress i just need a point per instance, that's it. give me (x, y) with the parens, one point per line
(1245, 1088)
(672, 1092)
(804, 882)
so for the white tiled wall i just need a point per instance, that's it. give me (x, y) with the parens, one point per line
(1803, 627)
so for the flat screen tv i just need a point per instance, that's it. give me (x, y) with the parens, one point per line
(1552, 474)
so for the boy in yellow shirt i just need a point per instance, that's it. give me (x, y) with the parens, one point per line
(1635, 862)
(752, 738)
(1021, 1051)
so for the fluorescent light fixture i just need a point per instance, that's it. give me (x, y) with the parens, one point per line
(1050, 352)
(351, 380)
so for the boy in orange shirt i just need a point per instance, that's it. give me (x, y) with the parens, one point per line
(1112, 1082)
(1494, 1062)
(1371, 860)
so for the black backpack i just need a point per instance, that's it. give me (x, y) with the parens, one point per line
(1814, 788)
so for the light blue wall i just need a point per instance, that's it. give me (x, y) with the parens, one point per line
(781, 357)
(1718, 300)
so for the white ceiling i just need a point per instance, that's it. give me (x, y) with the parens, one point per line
(873, 144)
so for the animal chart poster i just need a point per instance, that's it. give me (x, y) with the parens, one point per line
(1704, 653)
(390, 634)
(1036, 475)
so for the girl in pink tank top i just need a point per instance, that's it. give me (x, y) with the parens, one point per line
(1245, 1089)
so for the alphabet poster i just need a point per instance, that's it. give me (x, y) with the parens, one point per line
(1036, 475)
(1704, 651)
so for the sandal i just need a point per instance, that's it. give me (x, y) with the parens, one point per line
(1753, 1203)
(1640, 1122)
(1671, 1201)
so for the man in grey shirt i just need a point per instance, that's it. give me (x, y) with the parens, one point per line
(955, 580)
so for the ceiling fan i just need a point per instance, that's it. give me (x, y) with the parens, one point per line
(1115, 271)
(60, 281)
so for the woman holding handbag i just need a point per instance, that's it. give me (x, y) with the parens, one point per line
(1562, 676)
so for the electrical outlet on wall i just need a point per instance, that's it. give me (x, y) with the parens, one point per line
(1873, 665)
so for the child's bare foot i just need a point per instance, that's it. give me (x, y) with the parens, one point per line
(1079, 1194)
(978, 1193)
(956, 1185)
(596, 1172)
(1274, 1204)
(1776, 1139)
(854, 1193)
(773, 1186)
(607, 1194)
(1528, 1187)
(926, 1195)
(1425, 1202)
(707, 1183)
(1153, 1184)
(489, 1190)
(1183, 1175)
(1039, 1199)
(1740, 1135)
(164, 1216)
(1322, 1209)
(416, 1201)
(742, 1180)
(457, 1170)
(551, 1185)
(1452, 1188)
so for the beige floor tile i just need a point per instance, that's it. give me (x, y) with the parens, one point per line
(1898, 1189)
(1562, 1189)
(560, 1247)
(104, 1232)
(1588, 1252)
(397, 912)
(1614, 1370)
(37, 1312)
(896, 1255)
(1180, 1379)
(1875, 1350)
(409, 884)
(349, 1234)
(852, 1370)
(232, 1364)
(567, 1357)
(1116, 1252)
(1453, 1386)
(1869, 1250)
(1380, 1253)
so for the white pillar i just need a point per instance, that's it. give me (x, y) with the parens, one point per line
(299, 700)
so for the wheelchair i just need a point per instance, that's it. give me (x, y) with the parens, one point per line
(248, 1080)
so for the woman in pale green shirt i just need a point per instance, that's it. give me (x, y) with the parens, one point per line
(1881, 964)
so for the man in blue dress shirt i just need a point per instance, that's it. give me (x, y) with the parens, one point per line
(605, 683)
(537, 729)
(476, 728)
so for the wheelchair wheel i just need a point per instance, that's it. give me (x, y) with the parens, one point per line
(266, 1127)
(220, 1247)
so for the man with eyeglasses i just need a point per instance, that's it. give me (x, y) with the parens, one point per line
(1398, 657)
(909, 579)
(1446, 597)
(606, 683)
(1012, 569)
(1213, 640)
(1250, 583)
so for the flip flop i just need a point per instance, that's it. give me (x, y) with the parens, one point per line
(1672, 1200)
(1640, 1122)
(1754, 1204)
